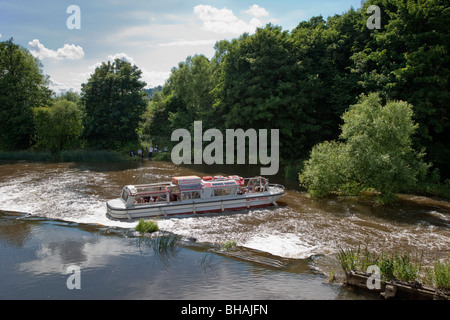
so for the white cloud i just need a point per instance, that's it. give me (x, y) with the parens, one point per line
(225, 21)
(257, 11)
(122, 56)
(68, 51)
(63, 81)
(154, 78)
(184, 43)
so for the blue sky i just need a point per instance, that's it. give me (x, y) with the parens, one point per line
(154, 35)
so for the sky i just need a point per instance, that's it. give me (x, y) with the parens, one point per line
(72, 41)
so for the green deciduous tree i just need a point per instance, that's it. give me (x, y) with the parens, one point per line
(186, 97)
(113, 102)
(259, 87)
(58, 127)
(375, 151)
(409, 60)
(22, 87)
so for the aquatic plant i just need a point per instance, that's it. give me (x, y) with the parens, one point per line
(331, 276)
(165, 242)
(404, 266)
(63, 156)
(348, 259)
(146, 226)
(439, 275)
(352, 259)
(90, 156)
(25, 155)
(228, 245)
(164, 245)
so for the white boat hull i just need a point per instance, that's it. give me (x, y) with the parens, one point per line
(197, 206)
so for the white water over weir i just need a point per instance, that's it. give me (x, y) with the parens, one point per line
(299, 227)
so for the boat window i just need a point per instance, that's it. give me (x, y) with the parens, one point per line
(124, 196)
(224, 191)
(186, 195)
(195, 195)
(150, 198)
(190, 195)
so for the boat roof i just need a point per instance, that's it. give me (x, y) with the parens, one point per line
(186, 180)
(185, 183)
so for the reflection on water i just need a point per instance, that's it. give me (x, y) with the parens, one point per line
(116, 264)
(298, 228)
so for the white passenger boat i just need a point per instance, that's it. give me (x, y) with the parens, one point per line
(193, 195)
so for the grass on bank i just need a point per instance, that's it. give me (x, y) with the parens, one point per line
(63, 156)
(398, 266)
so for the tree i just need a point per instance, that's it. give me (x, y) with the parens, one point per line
(58, 127)
(259, 86)
(113, 101)
(408, 59)
(22, 87)
(375, 151)
(185, 98)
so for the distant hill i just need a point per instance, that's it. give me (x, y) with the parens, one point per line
(151, 90)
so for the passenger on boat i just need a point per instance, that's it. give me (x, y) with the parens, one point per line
(139, 200)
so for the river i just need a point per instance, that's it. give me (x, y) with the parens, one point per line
(53, 215)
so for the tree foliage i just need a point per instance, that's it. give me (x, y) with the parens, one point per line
(113, 103)
(375, 152)
(300, 81)
(58, 127)
(22, 87)
(409, 60)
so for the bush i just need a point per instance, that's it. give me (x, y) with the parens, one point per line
(25, 155)
(375, 151)
(229, 245)
(146, 226)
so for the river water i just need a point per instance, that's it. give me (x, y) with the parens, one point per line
(53, 214)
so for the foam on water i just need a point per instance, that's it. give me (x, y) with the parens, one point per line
(57, 194)
(285, 245)
(298, 230)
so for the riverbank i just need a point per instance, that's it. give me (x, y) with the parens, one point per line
(63, 156)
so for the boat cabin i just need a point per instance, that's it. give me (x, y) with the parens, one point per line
(191, 188)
